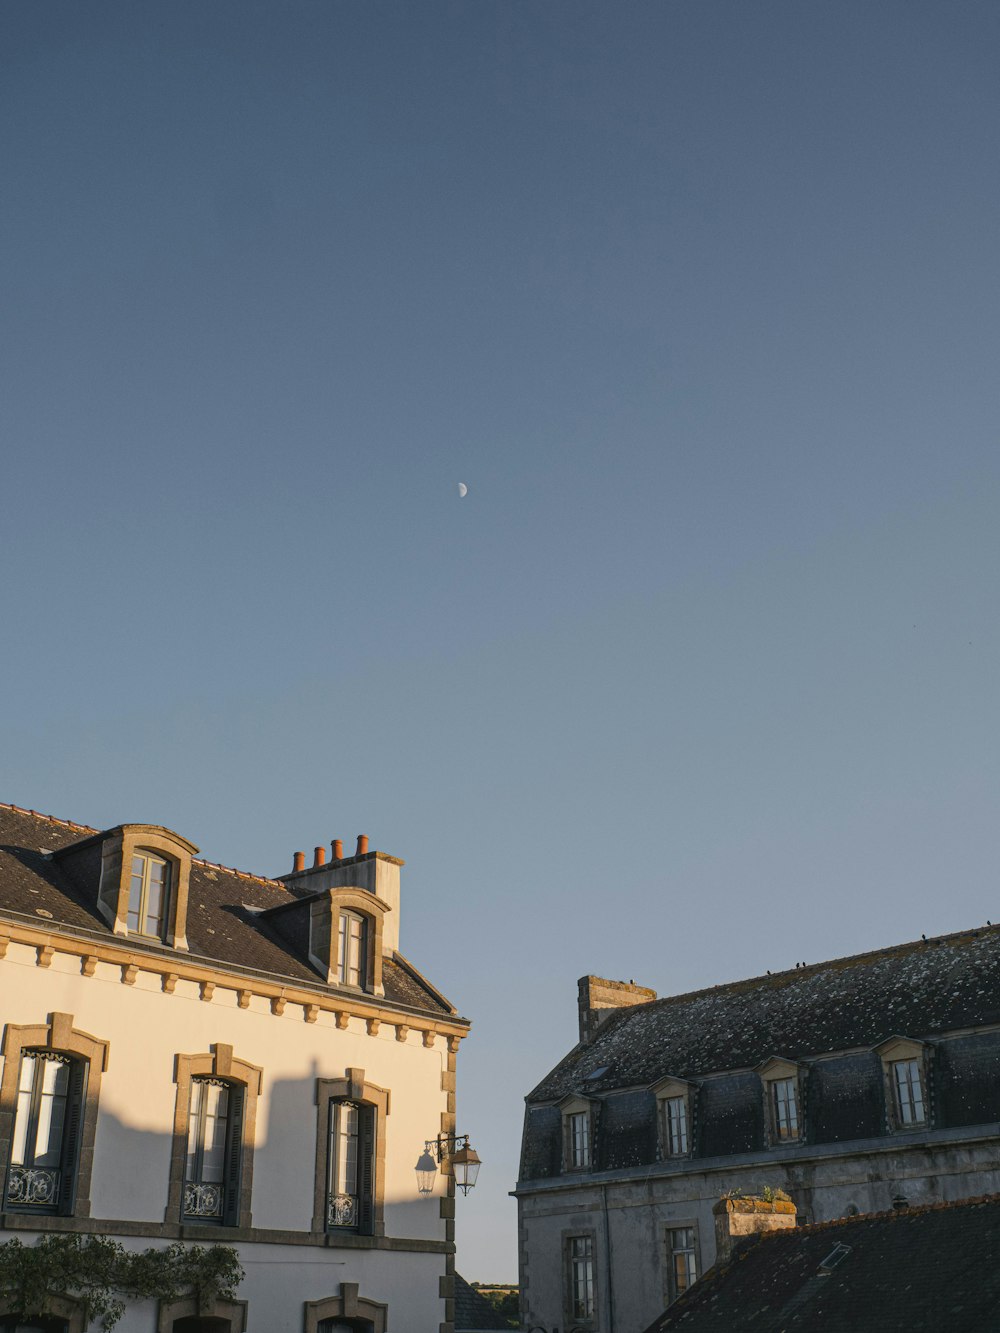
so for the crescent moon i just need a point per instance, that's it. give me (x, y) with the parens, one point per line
(463, 490)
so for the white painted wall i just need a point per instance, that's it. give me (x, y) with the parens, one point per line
(147, 1028)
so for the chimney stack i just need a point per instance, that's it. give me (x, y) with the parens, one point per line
(362, 844)
(319, 857)
(737, 1218)
(597, 998)
(337, 848)
(298, 862)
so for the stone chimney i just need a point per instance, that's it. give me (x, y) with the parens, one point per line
(597, 998)
(737, 1219)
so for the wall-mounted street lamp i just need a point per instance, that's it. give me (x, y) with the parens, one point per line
(463, 1159)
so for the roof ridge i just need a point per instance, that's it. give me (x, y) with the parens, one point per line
(889, 1214)
(196, 860)
(51, 819)
(870, 955)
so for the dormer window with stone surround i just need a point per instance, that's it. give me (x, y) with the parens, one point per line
(577, 1133)
(783, 1119)
(345, 937)
(142, 888)
(674, 1117)
(904, 1067)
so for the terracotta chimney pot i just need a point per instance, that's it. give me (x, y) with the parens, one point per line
(337, 848)
(362, 844)
(298, 862)
(319, 857)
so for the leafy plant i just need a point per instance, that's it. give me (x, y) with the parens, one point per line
(102, 1275)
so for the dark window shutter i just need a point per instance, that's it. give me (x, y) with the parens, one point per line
(72, 1132)
(366, 1170)
(234, 1155)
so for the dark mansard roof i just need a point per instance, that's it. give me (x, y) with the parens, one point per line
(915, 990)
(223, 925)
(920, 1269)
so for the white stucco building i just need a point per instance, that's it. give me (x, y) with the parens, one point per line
(194, 1053)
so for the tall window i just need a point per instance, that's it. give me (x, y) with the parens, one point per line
(908, 1091)
(214, 1151)
(682, 1260)
(675, 1126)
(350, 1166)
(45, 1143)
(580, 1270)
(148, 895)
(784, 1109)
(352, 949)
(579, 1138)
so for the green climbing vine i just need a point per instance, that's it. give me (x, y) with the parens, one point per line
(102, 1275)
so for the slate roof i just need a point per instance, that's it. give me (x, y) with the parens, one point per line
(917, 990)
(222, 923)
(473, 1312)
(920, 1269)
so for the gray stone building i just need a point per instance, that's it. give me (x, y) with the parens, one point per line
(846, 1084)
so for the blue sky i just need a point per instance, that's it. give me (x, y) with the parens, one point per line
(699, 299)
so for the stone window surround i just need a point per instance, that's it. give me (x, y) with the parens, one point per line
(572, 1105)
(117, 850)
(348, 1305)
(58, 1034)
(56, 1307)
(678, 1224)
(324, 927)
(220, 1063)
(574, 1233)
(775, 1069)
(664, 1090)
(233, 1312)
(889, 1052)
(354, 1087)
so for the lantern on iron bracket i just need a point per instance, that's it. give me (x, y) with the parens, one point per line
(461, 1157)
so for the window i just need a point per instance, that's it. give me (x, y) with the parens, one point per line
(145, 881)
(782, 1081)
(148, 895)
(214, 1151)
(50, 1089)
(349, 1176)
(905, 1064)
(682, 1260)
(579, 1138)
(675, 1127)
(580, 1273)
(352, 941)
(46, 1139)
(350, 1167)
(908, 1093)
(784, 1109)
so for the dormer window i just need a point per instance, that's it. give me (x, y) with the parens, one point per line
(783, 1081)
(904, 1065)
(352, 950)
(577, 1133)
(674, 1116)
(145, 876)
(149, 895)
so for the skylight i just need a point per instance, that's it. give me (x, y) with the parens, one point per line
(836, 1256)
